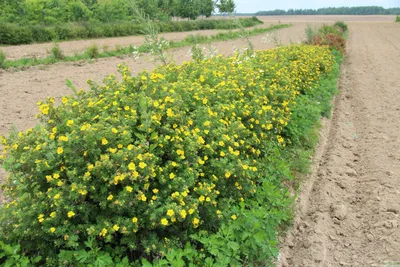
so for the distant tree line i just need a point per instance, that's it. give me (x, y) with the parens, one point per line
(358, 10)
(50, 12)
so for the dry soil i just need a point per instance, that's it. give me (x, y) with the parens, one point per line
(348, 210)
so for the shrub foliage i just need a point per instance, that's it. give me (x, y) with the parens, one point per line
(327, 35)
(182, 166)
(14, 34)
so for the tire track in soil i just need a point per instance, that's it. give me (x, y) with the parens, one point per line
(348, 210)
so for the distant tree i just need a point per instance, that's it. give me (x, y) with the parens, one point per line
(190, 9)
(360, 10)
(230, 6)
(207, 8)
(226, 6)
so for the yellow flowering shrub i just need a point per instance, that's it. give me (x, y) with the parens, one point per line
(142, 163)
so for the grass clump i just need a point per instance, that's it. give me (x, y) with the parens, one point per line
(57, 52)
(93, 51)
(3, 58)
(398, 19)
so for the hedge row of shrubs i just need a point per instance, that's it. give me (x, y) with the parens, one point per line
(183, 166)
(13, 34)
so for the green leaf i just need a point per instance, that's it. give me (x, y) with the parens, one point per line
(71, 86)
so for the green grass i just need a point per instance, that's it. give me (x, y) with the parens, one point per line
(398, 19)
(128, 50)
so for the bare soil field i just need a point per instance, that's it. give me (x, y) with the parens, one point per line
(329, 18)
(348, 209)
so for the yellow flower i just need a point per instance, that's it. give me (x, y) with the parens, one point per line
(110, 197)
(201, 198)
(142, 165)
(116, 227)
(44, 109)
(164, 221)
(171, 175)
(104, 141)
(228, 174)
(60, 150)
(170, 213)
(170, 113)
(129, 189)
(103, 232)
(183, 214)
(41, 218)
(234, 217)
(130, 147)
(134, 220)
(132, 166)
(63, 138)
(57, 196)
(70, 122)
(114, 130)
(155, 190)
(53, 214)
(222, 154)
(143, 198)
(52, 229)
(191, 211)
(71, 214)
(195, 222)
(208, 199)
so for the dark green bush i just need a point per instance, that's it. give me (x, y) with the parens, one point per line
(341, 25)
(13, 34)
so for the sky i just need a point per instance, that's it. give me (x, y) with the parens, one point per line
(251, 6)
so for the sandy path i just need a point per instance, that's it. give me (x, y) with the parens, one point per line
(71, 47)
(348, 210)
